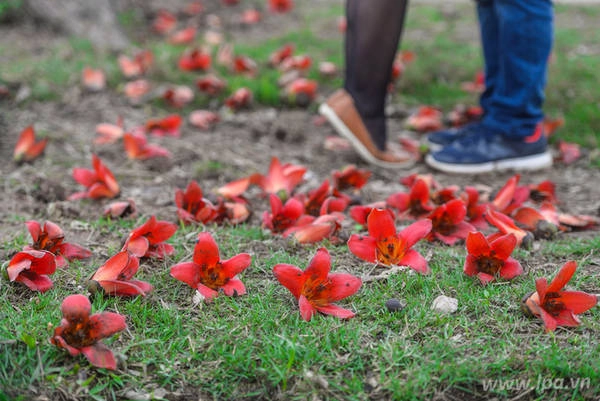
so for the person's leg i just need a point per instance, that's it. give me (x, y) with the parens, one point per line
(523, 46)
(372, 36)
(489, 35)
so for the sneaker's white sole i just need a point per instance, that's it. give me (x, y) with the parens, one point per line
(345, 132)
(528, 163)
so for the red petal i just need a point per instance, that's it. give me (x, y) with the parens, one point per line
(485, 278)
(291, 277)
(206, 251)
(76, 307)
(506, 193)
(549, 321)
(234, 287)
(567, 318)
(504, 246)
(138, 246)
(336, 311)
(577, 301)
(188, 272)
(312, 233)
(74, 251)
(307, 310)
(100, 356)
(162, 231)
(35, 282)
(125, 288)
(380, 224)
(232, 267)
(541, 286)
(562, 278)
(206, 292)
(34, 229)
(415, 261)
(106, 324)
(511, 269)
(363, 247)
(342, 285)
(415, 232)
(122, 264)
(84, 176)
(25, 141)
(319, 266)
(470, 267)
(234, 188)
(477, 245)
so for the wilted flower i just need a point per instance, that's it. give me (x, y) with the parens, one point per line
(114, 277)
(100, 182)
(148, 239)
(50, 238)
(489, 260)
(32, 268)
(27, 148)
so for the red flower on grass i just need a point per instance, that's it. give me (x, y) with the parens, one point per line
(121, 209)
(178, 96)
(148, 239)
(109, 133)
(32, 268)
(415, 204)
(210, 84)
(316, 288)
(114, 277)
(50, 238)
(301, 91)
(186, 35)
(195, 59)
(27, 148)
(385, 246)
(449, 223)
(282, 217)
(80, 333)
(489, 260)
(164, 22)
(350, 177)
(239, 99)
(168, 126)
(324, 226)
(100, 182)
(281, 178)
(506, 225)
(203, 119)
(284, 52)
(137, 66)
(93, 79)
(280, 6)
(208, 273)
(425, 119)
(192, 207)
(555, 306)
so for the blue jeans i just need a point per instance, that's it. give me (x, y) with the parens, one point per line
(516, 37)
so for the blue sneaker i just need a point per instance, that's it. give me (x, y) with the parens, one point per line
(485, 151)
(437, 140)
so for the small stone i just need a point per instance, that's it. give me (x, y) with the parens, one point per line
(444, 304)
(394, 305)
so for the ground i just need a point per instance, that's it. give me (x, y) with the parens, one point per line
(241, 144)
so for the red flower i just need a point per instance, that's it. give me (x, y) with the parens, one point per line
(137, 66)
(148, 239)
(121, 209)
(211, 84)
(164, 22)
(135, 90)
(301, 91)
(510, 197)
(250, 16)
(506, 225)
(186, 35)
(27, 149)
(385, 246)
(281, 54)
(93, 79)
(324, 226)
(555, 306)
(32, 268)
(114, 276)
(208, 273)
(241, 98)
(137, 147)
(80, 333)
(316, 288)
(449, 223)
(462, 115)
(350, 177)
(568, 152)
(360, 213)
(192, 207)
(282, 217)
(413, 205)
(489, 260)
(300, 62)
(280, 178)
(168, 126)
(475, 210)
(100, 182)
(109, 133)
(244, 65)
(544, 191)
(203, 119)
(425, 119)
(50, 238)
(280, 6)
(195, 59)
(178, 96)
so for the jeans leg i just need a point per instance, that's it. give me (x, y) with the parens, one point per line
(488, 29)
(525, 35)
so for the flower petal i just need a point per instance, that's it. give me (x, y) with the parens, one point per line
(232, 267)
(234, 287)
(188, 272)
(415, 232)
(504, 246)
(477, 245)
(75, 307)
(336, 311)
(124, 288)
(415, 261)
(138, 246)
(206, 250)
(207, 293)
(470, 267)
(511, 269)
(342, 285)
(122, 264)
(74, 251)
(290, 277)
(35, 282)
(562, 278)
(105, 324)
(380, 224)
(363, 247)
(319, 266)
(307, 310)
(34, 229)
(485, 278)
(577, 301)
(100, 356)
(567, 318)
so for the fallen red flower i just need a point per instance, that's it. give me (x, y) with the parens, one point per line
(301, 91)
(510, 197)
(281, 54)
(50, 238)
(462, 115)
(280, 6)
(316, 288)
(80, 333)
(250, 17)
(168, 126)
(137, 66)
(100, 182)
(449, 223)
(568, 152)
(93, 79)
(555, 306)
(203, 119)
(137, 147)
(544, 191)
(244, 65)
(280, 178)
(489, 260)
(114, 277)
(121, 209)
(26, 148)
(32, 268)
(323, 227)
(282, 217)
(425, 119)
(148, 239)
(506, 225)
(360, 213)
(195, 59)
(208, 273)
(211, 84)
(184, 36)
(164, 22)
(413, 205)
(239, 99)
(192, 207)
(385, 246)
(350, 177)
(178, 96)
(109, 133)
(137, 89)
(300, 62)
(475, 210)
